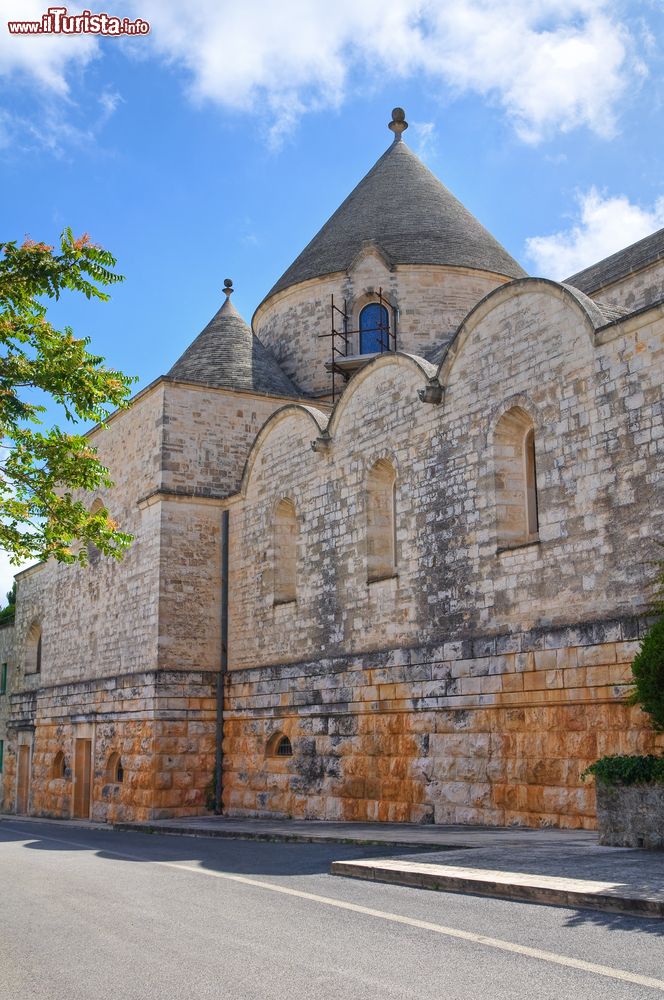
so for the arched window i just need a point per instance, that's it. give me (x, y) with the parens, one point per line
(374, 329)
(114, 769)
(381, 523)
(516, 479)
(33, 649)
(285, 552)
(59, 765)
(279, 746)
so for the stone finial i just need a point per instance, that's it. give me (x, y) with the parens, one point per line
(398, 123)
(228, 288)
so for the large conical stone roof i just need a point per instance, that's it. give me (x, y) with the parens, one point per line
(413, 219)
(227, 355)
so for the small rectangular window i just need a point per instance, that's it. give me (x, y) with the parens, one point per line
(3, 679)
(2, 754)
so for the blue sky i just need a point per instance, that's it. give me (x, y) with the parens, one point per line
(217, 145)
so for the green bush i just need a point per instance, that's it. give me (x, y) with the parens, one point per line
(648, 672)
(627, 770)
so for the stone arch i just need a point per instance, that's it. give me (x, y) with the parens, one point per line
(416, 367)
(589, 312)
(515, 474)
(279, 745)
(59, 766)
(381, 521)
(285, 551)
(33, 648)
(292, 411)
(115, 769)
(367, 297)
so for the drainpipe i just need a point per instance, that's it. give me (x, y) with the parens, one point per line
(223, 664)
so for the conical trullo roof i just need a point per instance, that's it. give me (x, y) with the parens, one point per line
(404, 209)
(227, 355)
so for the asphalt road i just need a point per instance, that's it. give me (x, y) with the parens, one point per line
(102, 915)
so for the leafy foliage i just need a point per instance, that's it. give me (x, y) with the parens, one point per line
(40, 470)
(648, 673)
(7, 613)
(627, 770)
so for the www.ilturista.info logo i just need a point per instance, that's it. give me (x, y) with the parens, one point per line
(56, 21)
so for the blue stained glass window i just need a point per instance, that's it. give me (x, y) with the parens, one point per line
(374, 329)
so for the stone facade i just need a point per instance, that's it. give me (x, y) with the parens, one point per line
(130, 650)
(492, 731)
(8, 675)
(436, 586)
(430, 301)
(497, 723)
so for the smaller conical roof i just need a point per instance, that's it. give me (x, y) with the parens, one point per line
(227, 355)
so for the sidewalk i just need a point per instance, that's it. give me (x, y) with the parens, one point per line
(558, 867)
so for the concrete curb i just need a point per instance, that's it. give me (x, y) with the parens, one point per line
(543, 889)
(274, 837)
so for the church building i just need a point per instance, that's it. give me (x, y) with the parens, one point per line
(392, 550)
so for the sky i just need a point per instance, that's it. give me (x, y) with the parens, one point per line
(217, 144)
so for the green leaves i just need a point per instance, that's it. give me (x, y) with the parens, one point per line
(45, 476)
(648, 673)
(627, 770)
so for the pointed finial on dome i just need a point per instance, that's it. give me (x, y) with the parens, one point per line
(228, 288)
(398, 123)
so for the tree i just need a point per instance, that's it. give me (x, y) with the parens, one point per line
(44, 474)
(7, 613)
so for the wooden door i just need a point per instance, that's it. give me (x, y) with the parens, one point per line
(82, 769)
(23, 779)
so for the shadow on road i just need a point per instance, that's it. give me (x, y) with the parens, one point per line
(238, 857)
(260, 858)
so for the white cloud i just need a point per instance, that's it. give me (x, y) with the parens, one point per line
(551, 66)
(604, 225)
(423, 138)
(46, 59)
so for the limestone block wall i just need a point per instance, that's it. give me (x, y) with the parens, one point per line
(431, 302)
(636, 290)
(189, 585)
(476, 683)
(599, 441)
(6, 656)
(207, 434)
(102, 619)
(493, 730)
(161, 724)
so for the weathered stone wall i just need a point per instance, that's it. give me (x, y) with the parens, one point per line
(431, 302)
(160, 604)
(595, 402)
(642, 288)
(103, 619)
(599, 439)
(495, 730)
(162, 725)
(6, 656)
(207, 434)
(631, 815)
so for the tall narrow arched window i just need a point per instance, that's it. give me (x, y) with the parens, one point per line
(381, 525)
(516, 479)
(33, 649)
(374, 329)
(285, 552)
